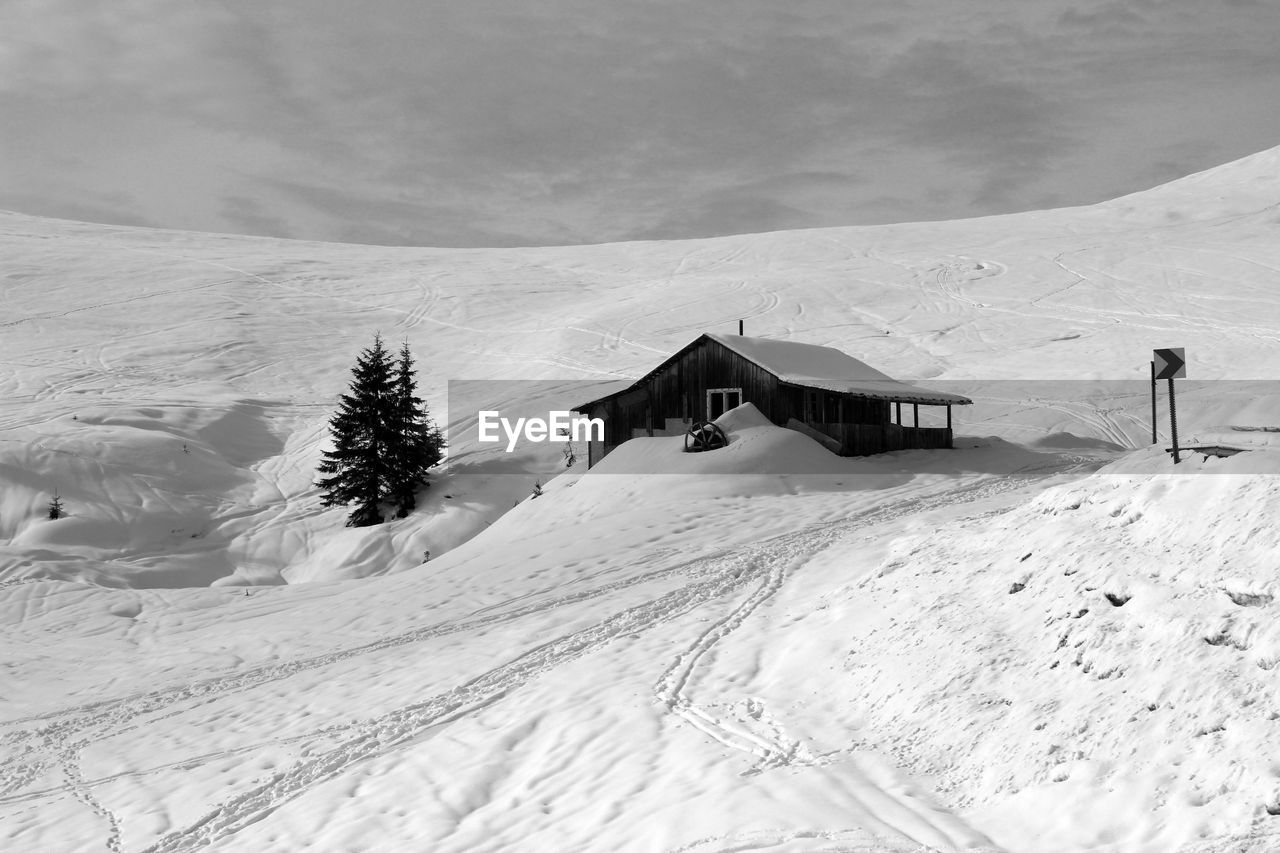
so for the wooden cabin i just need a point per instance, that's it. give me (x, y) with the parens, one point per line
(852, 408)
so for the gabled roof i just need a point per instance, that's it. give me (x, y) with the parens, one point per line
(792, 361)
(809, 366)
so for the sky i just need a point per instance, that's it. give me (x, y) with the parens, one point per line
(417, 122)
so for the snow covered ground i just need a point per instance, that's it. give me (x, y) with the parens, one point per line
(1046, 640)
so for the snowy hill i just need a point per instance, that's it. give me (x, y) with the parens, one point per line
(235, 348)
(1048, 639)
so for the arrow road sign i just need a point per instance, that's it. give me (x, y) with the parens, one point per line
(1171, 363)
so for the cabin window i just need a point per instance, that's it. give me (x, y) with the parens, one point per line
(721, 400)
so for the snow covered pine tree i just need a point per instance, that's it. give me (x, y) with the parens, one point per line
(383, 440)
(417, 444)
(357, 464)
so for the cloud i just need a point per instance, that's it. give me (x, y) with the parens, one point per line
(115, 208)
(145, 50)
(774, 203)
(1107, 17)
(577, 121)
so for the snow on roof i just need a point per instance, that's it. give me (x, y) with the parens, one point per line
(812, 366)
(829, 369)
(791, 358)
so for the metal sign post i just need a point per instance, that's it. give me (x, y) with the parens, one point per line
(1169, 364)
(1154, 440)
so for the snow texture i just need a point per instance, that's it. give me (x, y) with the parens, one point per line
(1050, 639)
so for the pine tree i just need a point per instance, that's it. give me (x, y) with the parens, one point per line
(360, 463)
(418, 445)
(55, 506)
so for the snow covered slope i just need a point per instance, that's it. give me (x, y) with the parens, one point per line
(786, 651)
(233, 349)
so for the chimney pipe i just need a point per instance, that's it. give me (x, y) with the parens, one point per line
(739, 328)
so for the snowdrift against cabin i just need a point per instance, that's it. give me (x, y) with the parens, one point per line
(757, 448)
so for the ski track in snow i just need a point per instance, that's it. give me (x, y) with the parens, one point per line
(57, 739)
(849, 841)
(775, 559)
(410, 318)
(1099, 418)
(46, 738)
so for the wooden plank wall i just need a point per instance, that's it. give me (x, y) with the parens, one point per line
(867, 439)
(852, 410)
(681, 389)
(926, 438)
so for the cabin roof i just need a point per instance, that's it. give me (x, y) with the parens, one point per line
(809, 366)
(829, 369)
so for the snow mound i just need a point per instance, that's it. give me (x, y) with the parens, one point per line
(1116, 634)
(144, 488)
(1231, 435)
(1066, 440)
(746, 416)
(756, 447)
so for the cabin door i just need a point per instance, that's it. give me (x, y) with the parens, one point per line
(721, 400)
